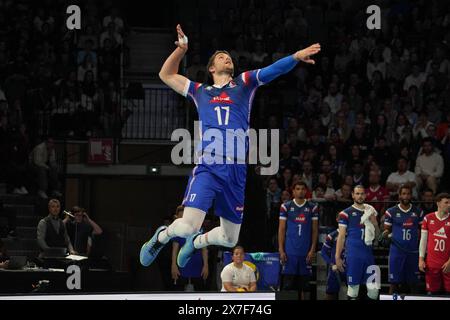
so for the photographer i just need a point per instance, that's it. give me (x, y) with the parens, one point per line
(81, 229)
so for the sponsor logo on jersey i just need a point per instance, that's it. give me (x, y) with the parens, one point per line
(240, 208)
(222, 98)
(408, 223)
(413, 215)
(292, 209)
(209, 88)
(440, 233)
(300, 218)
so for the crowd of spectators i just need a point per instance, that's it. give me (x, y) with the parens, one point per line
(373, 110)
(55, 81)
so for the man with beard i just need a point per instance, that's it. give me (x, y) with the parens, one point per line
(402, 226)
(358, 223)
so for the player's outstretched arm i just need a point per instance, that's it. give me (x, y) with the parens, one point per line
(288, 63)
(169, 71)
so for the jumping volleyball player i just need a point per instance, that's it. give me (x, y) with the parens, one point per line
(225, 104)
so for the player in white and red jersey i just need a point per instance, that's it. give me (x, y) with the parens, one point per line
(434, 253)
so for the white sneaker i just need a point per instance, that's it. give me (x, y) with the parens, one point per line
(24, 190)
(42, 194)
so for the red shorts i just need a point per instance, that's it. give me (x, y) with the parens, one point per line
(435, 279)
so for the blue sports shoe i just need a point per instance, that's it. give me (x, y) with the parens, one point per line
(187, 250)
(151, 248)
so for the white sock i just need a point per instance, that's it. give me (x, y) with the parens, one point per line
(227, 235)
(190, 222)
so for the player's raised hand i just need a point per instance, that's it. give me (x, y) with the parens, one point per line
(305, 54)
(182, 42)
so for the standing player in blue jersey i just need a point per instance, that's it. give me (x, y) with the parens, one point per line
(402, 226)
(335, 278)
(358, 227)
(223, 105)
(298, 230)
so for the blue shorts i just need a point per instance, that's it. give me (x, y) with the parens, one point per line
(357, 268)
(296, 265)
(334, 281)
(403, 268)
(224, 183)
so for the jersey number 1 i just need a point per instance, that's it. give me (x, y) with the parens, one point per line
(219, 115)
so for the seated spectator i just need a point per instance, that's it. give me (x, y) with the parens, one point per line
(328, 190)
(333, 178)
(307, 175)
(43, 163)
(273, 197)
(416, 78)
(114, 17)
(376, 192)
(4, 258)
(358, 173)
(285, 196)
(87, 65)
(401, 177)
(237, 276)
(429, 166)
(428, 205)
(89, 34)
(420, 129)
(52, 232)
(344, 194)
(88, 50)
(111, 34)
(82, 230)
(191, 277)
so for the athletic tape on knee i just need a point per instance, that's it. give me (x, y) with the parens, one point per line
(353, 291)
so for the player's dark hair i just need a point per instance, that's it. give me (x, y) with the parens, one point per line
(210, 79)
(404, 187)
(237, 247)
(300, 183)
(442, 195)
(358, 186)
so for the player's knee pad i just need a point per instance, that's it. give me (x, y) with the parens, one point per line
(372, 293)
(353, 291)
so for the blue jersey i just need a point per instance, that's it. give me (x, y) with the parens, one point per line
(405, 227)
(350, 218)
(193, 269)
(225, 116)
(328, 251)
(298, 226)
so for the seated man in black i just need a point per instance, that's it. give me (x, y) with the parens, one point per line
(51, 231)
(81, 230)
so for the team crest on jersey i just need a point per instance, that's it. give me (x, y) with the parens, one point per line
(432, 222)
(441, 233)
(292, 209)
(301, 218)
(354, 214)
(398, 215)
(413, 214)
(209, 88)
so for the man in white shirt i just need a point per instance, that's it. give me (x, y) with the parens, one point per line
(416, 78)
(429, 166)
(401, 177)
